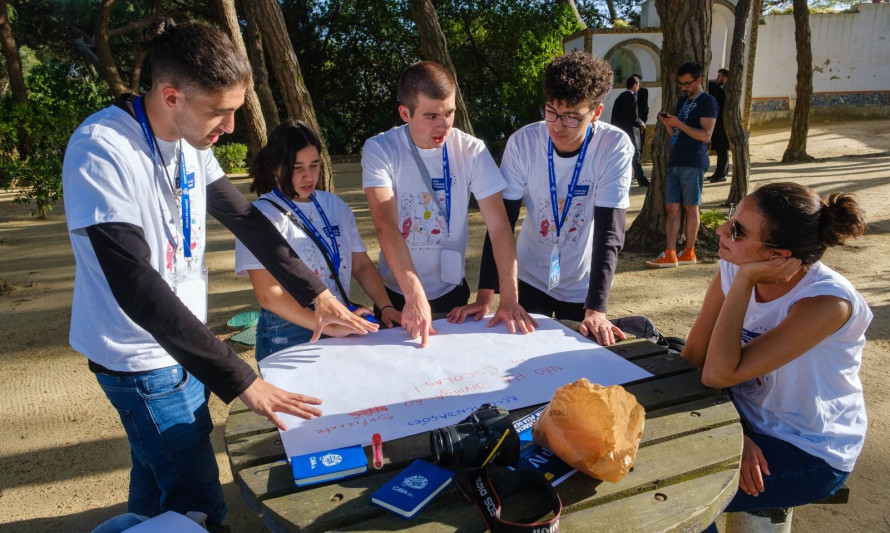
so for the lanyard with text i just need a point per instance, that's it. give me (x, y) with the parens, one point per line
(332, 249)
(554, 202)
(179, 189)
(424, 173)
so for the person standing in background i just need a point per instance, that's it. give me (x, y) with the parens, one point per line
(719, 141)
(625, 115)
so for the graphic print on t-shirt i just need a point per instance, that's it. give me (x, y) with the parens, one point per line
(421, 219)
(572, 229)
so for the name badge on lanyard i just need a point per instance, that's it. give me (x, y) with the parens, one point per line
(179, 187)
(189, 286)
(559, 221)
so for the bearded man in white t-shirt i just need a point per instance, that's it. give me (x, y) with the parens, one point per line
(418, 179)
(573, 172)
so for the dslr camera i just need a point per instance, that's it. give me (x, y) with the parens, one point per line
(470, 442)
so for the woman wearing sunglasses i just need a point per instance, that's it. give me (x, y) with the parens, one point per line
(785, 333)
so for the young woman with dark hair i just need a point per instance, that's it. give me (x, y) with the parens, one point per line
(785, 333)
(319, 227)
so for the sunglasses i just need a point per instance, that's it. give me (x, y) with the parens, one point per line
(737, 232)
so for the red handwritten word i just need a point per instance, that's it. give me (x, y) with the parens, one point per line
(548, 370)
(368, 412)
(354, 424)
(451, 380)
(442, 394)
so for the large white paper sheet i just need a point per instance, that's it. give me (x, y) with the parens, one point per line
(385, 383)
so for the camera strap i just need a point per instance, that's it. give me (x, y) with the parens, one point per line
(487, 494)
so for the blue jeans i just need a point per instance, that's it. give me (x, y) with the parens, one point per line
(684, 185)
(165, 415)
(274, 334)
(797, 478)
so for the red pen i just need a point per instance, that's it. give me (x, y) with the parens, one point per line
(377, 450)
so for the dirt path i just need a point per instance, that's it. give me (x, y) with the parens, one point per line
(64, 457)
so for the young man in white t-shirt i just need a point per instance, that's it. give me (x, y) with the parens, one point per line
(139, 178)
(573, 172)
(421, 218)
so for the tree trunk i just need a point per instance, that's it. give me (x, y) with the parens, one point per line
(797, 144)
(756, 9)
(12, 57)
(613, 15)
(254, 44)
(253, 113)
(286, 67)
(435, 48)
(107, 68)
(574, 7)
(732, 116)
(686, 38)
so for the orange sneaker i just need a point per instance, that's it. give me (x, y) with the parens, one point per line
(667, 259)
(687, 257)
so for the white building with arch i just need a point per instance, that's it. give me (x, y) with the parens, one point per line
(851, 60)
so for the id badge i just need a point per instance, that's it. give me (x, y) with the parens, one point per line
(553, 280)
(451, 267)
(191, 288)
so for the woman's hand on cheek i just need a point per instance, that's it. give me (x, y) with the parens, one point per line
(778, 269)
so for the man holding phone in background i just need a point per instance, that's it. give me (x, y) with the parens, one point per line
(690, 130)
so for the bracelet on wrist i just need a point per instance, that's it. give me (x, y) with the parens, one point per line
(385, 307)
(320, 299)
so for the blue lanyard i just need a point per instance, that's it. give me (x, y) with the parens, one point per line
(559, 221)
(446, 173)
(332, 249)
(180, 191)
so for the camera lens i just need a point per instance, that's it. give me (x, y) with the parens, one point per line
(456, 445)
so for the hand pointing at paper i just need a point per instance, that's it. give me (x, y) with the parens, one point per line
(266, 399)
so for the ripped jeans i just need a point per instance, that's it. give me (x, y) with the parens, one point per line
(274, 334)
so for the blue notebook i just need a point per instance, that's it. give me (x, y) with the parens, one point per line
(413, 488)
(328, 465)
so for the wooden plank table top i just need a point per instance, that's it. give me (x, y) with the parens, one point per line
(685, 472)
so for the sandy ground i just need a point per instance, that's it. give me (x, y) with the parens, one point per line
(63, 454)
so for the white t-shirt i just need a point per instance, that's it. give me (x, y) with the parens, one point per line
(109, 175)
(604, 181)
(342, 223)
(387, 161)
(814, 402)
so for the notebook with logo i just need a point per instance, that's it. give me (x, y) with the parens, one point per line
(328, 465)
(414, 487)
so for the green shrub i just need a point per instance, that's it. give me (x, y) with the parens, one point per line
(231, 156)
(713, 219)
(33, 137)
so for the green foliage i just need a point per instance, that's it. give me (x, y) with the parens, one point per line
(352, 54)
(499, 71)
(33, 138)
(231, 156)
(713, 219)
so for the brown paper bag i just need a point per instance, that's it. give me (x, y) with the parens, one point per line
(595, 429)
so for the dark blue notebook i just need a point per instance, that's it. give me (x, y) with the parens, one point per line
(413, 488)
(325, 466)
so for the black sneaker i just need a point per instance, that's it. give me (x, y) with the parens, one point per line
(717, 179)
(642, 182)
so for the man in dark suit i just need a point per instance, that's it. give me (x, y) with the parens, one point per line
(719, 141)
(625, 115)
